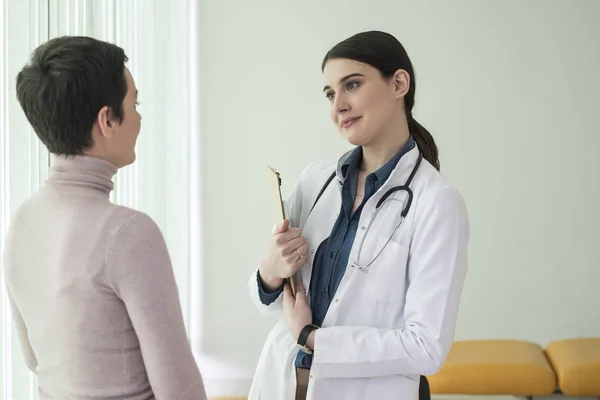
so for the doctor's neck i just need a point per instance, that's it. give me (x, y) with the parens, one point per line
(381, 149)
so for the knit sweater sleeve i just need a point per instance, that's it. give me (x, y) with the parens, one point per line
(21, 328)
(141, 274)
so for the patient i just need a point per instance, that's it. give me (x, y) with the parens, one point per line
(90, 283)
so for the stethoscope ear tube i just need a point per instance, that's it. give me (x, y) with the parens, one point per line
(403, 187)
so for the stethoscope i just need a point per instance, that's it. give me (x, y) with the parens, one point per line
(406, 187)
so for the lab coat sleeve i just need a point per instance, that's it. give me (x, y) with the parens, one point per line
(294, 212)
(437, 270)
(21, 328)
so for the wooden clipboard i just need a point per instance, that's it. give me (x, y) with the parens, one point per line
(275, 185)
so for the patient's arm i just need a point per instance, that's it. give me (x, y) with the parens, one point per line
(141, 274)
(30, 359)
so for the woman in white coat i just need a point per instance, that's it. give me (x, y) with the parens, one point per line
(377, 244)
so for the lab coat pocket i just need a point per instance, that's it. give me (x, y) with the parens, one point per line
(384, 281)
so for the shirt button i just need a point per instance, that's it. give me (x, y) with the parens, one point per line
(370, 178)
(312, 251)
(331, 254)
(337, 300)
(363, 227)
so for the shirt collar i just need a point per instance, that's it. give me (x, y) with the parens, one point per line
(382, 174)
(352, 161)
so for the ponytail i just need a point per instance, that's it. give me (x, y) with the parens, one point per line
(424, 141)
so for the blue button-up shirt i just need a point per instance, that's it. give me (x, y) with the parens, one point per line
(332, 255)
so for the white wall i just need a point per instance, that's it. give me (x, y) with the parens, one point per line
(509, 89)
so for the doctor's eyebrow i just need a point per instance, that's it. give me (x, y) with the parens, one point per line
(344, 79)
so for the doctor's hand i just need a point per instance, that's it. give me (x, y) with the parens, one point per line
(286, 254)
(296, 310)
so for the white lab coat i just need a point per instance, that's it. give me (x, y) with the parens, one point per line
(388, 326)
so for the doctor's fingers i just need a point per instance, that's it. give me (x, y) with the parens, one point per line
(298, 257)
(300, 291)
(290, 234)
(291, 247)
(288, 297)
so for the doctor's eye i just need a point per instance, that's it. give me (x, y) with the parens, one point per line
(352, 85)
(330, 95)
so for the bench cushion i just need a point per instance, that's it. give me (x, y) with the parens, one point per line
(577, 365)
(495, 367)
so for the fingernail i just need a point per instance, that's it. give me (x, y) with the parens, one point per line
(274, 228)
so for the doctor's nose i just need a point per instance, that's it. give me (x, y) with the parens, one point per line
(340, 105)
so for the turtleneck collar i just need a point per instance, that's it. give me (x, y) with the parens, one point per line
(83, 170)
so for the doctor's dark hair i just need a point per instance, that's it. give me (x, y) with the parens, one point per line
(65, 84)
(385, 53)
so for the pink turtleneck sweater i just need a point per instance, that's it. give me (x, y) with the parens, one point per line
(93, 293)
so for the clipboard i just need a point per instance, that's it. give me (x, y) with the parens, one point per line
(275, 185)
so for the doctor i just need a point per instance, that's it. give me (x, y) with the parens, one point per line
(378, 240)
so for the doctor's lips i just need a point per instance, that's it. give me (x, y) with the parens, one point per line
(348, 122)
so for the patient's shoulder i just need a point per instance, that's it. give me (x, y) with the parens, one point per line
(127, 221)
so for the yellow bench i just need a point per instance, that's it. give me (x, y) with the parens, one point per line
(494, 367)
(520, 368)
(576, 363)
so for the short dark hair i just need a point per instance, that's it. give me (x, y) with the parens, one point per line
(65, 84)
(384, 52)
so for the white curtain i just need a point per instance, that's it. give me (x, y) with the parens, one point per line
(160, 39)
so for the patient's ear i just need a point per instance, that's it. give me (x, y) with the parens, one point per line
(106, 122)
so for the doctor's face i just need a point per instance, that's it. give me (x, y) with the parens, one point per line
(362, 103)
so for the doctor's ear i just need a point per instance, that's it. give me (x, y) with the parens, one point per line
(400, 83)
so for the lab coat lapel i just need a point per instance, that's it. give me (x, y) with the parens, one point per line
(319, 224)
